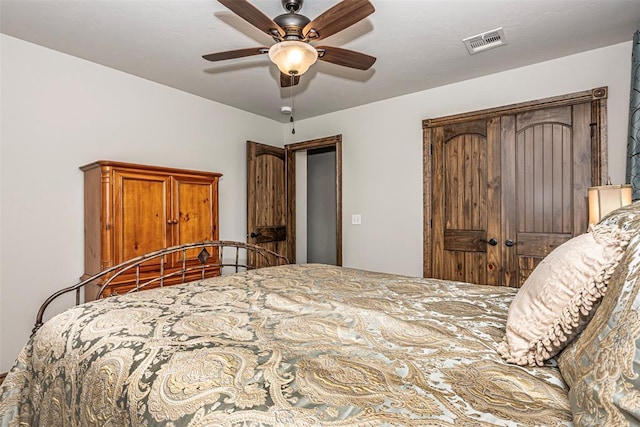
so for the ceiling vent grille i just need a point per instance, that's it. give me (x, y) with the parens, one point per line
(485, 41)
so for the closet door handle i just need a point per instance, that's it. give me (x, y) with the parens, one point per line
(254, 235)
(492, 242)
(509, 242)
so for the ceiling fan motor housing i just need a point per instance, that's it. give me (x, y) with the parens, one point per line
(292, 24)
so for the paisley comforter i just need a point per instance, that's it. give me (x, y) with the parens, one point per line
(297, 345)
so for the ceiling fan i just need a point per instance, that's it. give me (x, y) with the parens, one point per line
(293, 32)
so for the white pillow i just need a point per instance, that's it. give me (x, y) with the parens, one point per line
(560, 296)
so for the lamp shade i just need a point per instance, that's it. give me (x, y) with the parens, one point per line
(605, 199)
(293, 57)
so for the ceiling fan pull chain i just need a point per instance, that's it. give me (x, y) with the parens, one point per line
(291, 119)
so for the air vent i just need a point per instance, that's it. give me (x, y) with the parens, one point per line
(485, 41)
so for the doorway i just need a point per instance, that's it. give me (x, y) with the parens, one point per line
(314, 200)
(273, 198)
(316, 206)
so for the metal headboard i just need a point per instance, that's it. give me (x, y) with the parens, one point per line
(255, 257)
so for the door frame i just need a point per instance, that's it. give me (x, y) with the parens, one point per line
(599, 169)
(290, 165)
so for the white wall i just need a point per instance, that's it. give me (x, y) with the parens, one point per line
(382, 146)
(60, 112)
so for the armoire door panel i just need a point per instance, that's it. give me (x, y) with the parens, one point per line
(141, 214)
(195, 212)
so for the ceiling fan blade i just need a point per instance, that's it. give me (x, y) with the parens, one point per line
(345, 57)
(285, 80)
(253, 16)
(239, 53)
(337, 18)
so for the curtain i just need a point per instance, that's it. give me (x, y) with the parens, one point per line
(633, 143)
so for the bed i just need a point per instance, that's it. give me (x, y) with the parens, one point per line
(319, 345)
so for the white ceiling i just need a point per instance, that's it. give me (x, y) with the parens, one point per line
(418, 44)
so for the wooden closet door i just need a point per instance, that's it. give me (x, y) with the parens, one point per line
(546, 172)
(517, 174)
(466, 202)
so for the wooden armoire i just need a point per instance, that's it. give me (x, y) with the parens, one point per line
(131, 209)
(504, 187)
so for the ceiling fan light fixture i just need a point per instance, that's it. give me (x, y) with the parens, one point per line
(293, 57)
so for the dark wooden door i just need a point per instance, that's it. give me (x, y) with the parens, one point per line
(266, 198)
(546, 173)
(466, 209)
(506, 186)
